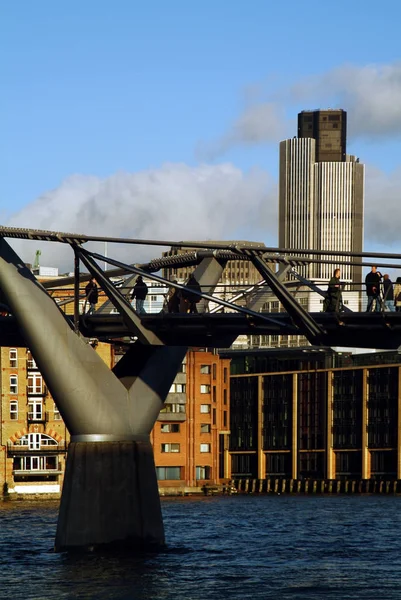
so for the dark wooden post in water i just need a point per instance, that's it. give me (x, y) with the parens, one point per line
(110, 493)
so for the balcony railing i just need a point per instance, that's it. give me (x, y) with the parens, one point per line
(37, 472)
(17, 449)
(37, 418)
(169, 416)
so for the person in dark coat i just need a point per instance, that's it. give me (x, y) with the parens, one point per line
(188, 299)
(334, 301)
(92, 295)
(372, 281)
(388, 293)
(140, 292)
(173, 299)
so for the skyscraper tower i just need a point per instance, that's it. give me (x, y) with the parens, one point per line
(321, 193)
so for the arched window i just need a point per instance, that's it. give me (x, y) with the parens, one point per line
(13, 384)
(36, 440)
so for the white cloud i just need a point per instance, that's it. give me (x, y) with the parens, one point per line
(382, 213)
(174, 202)
(370, 94)
(258, 123)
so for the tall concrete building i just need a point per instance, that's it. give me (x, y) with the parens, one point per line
(321, 193)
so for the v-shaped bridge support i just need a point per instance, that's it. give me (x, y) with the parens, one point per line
(110, 493)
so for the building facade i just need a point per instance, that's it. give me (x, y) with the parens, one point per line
(33, 436)
(190, 437)
(314, 414)
(236, 272)
(321, 194)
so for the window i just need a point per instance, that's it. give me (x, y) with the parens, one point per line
(46, 440)
(205, 369)
(205, 428)
(225, 418)
(214, 416)
(205, 447)
(13, 384)
(35, 463)
(33, 441)
(170, 447)
(205, 389)
(178, 388)
(225, 397)
(35, 410)
(173, 408)
(214, 370)
(13, 358)
(170, 428)
(35, 383)
(225, 374)
(203, 472)
(31, 364)
(13, 410)
(214, 393)
(56, 414)
(205, 408)
(164, 473)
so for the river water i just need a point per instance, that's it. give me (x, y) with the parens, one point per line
(281, 547)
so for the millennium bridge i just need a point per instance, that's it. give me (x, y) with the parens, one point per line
(110, 493)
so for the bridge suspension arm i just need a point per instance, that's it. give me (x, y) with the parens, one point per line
(302, 319)
(234, 307)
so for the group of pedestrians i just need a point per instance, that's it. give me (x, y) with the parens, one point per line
(177, 301)
(184, 301)
(381, 293)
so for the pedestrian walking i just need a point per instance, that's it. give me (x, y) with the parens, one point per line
(188, 299)
(91, 295)
(397, 294)
(173, 299)
(372, 281)
(388, 293)
(139, 292)
(333, 301)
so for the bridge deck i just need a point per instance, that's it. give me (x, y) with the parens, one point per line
(364, 330)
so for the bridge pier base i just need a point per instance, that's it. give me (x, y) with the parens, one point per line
(110, 497)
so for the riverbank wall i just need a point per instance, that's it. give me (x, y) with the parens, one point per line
(317, 486)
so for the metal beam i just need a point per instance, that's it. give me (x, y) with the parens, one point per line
(314, 287)
(308, 327)
(130, 317)
(178, 286)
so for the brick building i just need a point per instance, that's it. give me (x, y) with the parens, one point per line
(190, 437)
(33, 436)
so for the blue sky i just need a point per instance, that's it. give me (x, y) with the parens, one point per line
(147, 118)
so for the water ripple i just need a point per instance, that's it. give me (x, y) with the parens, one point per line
(239, 547)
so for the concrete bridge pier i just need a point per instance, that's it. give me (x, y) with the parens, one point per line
(110, 497)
